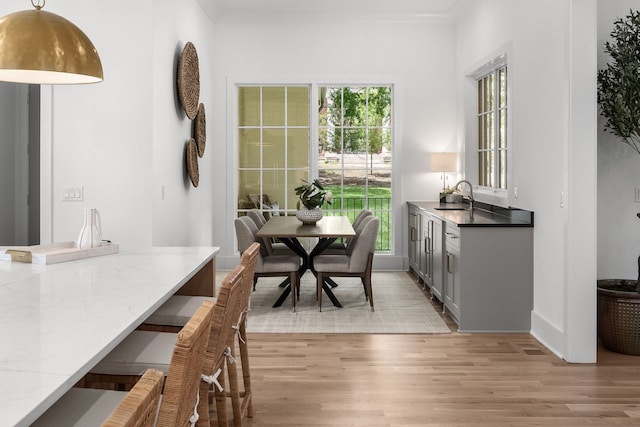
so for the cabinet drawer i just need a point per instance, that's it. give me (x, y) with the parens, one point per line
(452, 237)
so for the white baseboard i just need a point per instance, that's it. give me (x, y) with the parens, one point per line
(548, 335)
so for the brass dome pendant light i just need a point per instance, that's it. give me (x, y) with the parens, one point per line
(44, 48)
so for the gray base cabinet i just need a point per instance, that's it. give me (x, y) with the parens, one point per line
(479, 266)
(489, 278)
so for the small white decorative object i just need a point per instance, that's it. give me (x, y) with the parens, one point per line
(309, 216)
(91, 233)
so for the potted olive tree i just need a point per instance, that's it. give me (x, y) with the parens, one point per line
(619, 100)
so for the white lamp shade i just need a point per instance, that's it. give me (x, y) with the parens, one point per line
(444, 162)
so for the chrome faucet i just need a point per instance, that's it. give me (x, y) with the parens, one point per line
(470, 197)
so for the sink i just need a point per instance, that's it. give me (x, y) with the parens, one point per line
(450, 209)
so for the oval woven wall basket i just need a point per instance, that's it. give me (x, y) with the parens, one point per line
(188, 80)
(200, 130)
(192, 162)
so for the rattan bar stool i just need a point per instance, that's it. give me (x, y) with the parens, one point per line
(177, 309)
(89, 407)
(83, 407)
(148, 349)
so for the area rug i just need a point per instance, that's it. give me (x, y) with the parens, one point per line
(400, 308)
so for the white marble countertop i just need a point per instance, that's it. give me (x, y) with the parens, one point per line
(57, 321)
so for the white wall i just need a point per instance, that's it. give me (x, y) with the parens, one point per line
(184, 216)
(124, 137)
(102, 133)
(618, 176)
(540, 72)
(417, 56)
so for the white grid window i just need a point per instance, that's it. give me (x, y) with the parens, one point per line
(354, 151)
(345, 141)
(274, 136)
(492, 113)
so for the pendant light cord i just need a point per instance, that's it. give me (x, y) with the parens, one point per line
(37, 4)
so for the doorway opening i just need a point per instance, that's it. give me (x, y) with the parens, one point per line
(19, 164)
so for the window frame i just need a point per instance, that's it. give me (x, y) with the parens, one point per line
(261, 127)
(488, 65)
(370, 202)
(388, 259)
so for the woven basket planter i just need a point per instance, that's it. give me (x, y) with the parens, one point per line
(619, 316)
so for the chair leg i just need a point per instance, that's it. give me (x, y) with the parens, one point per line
(294, 288)
(221, 401)
(247, 401)
(369, 289)
(367, 279)
(364, 287)
(320, 281)
(234, 390)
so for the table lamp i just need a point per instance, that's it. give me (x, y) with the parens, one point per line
(444, 162)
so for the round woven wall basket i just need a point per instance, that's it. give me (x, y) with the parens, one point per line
(192, 162)
(200, 130)
(619, 316)
(189, 80)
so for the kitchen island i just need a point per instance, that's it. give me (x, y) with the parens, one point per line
(57, 321)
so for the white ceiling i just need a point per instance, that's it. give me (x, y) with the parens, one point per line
(217, 8)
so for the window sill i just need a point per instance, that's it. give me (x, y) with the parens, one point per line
(491, 197)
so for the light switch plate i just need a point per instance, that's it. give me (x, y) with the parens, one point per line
(72, 194)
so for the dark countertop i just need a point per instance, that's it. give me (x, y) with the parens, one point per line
(484, 215)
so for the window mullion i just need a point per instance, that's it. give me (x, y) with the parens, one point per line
(313, 130)
(261, 165)
(496, 131)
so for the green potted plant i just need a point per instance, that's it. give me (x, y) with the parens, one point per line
(619, 82)
(619, 100)
(311, 197)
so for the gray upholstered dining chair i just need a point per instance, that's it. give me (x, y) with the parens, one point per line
(362, 215)
(273, 248)
(269, 265)
(339, 248)
(357, 260)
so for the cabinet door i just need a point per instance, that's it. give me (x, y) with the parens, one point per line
(427, 250)
(414, 241)
(437, 290)
(452, 283)
(452, 271)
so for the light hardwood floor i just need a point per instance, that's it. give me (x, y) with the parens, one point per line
(435, 380)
